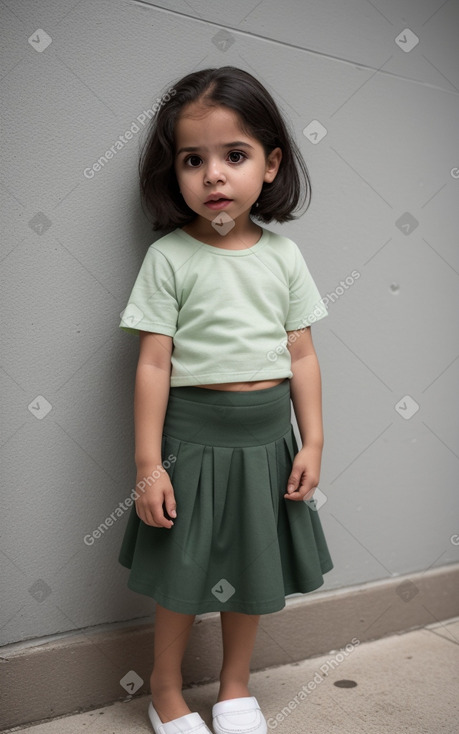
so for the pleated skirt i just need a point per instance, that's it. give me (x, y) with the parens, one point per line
(236, 544)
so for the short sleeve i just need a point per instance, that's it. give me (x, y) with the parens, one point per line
(153, 304)
(306, 305)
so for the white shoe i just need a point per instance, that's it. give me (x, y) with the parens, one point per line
(238, 716)
(190, 723)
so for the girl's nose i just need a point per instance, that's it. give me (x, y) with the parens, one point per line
(214, 172)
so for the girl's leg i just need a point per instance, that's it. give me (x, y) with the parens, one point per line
(172, 631)
(238, 634)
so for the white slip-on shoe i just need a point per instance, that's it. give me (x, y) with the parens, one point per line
(190, 723)
(238, 716)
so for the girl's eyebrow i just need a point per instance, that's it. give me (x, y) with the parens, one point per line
(238, 143)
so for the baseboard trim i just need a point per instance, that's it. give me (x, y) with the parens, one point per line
(77, 672)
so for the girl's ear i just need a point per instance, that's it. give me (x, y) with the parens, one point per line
(272, 165)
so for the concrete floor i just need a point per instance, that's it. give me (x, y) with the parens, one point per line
(404, 683)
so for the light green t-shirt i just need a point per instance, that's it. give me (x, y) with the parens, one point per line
(228, 311)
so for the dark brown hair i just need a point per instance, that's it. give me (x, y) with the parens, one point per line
(260, 118)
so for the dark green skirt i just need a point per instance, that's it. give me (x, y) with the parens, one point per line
(236, 544)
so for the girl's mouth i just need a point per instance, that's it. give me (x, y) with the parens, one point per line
(218, 204)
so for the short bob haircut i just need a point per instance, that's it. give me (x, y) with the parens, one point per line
(260, 118)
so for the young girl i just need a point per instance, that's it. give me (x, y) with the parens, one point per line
(223, 308)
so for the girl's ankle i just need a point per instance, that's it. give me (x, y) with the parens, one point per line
(160, 683)
(232, 689)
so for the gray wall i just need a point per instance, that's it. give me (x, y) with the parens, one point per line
(72, 246)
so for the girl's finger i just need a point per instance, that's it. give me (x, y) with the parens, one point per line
(155, 517)
(171, 507)
(293, 496)
(161, 520)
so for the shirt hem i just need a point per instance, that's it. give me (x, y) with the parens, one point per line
(295, 326)
(153, 328)
(212, 379)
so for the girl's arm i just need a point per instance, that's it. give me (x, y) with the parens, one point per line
(306, 392)
(151, 395)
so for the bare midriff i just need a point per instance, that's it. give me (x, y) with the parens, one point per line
(259, 385)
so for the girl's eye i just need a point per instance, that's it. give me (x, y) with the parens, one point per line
(193, 161)
(192, 158)
(238, 153)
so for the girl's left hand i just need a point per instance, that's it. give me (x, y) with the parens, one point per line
(304, 477)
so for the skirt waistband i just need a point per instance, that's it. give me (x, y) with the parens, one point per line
(228, 417)
(231, 397)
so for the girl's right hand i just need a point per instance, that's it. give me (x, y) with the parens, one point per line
(154, 500)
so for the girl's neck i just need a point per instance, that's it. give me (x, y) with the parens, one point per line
(242, 235)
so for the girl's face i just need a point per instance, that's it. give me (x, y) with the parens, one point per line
(213, 157)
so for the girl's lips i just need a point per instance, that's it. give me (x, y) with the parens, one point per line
(219, 204)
